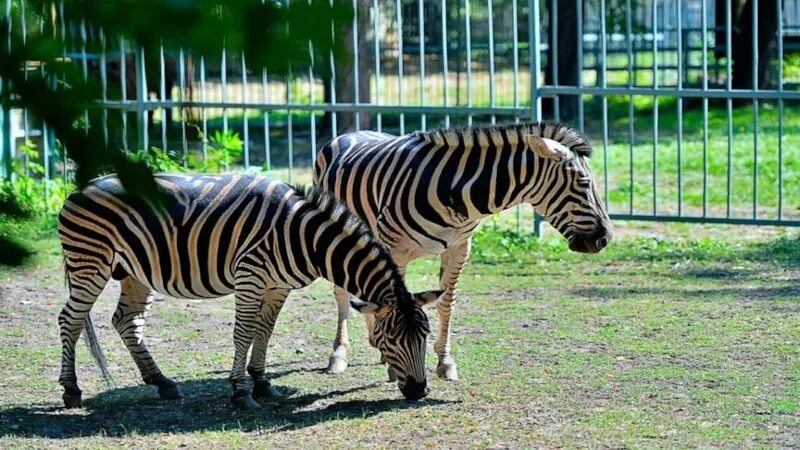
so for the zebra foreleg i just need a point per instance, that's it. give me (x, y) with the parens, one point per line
(341, 343)
(452, 262)
(248, 305)
(85, 285)
(129, 320)
(268, 314)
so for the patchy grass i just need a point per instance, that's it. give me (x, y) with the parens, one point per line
(675, 336)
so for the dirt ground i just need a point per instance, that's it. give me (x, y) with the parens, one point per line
(647, 344)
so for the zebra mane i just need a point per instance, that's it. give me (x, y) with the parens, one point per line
(511, 133)
(351, 223)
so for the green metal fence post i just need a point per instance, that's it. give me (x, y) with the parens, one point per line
(534, 25)
(5, 136)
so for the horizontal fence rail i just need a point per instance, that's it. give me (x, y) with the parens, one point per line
(692, 107)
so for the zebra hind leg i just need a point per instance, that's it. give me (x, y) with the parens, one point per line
(270, 308)
(129, 320)
(86, 280)
(248, 305)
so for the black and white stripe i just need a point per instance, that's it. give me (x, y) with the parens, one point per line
(425, 193)
(218, 235)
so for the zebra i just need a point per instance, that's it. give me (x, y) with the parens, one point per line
(211, 236)
(426, 192)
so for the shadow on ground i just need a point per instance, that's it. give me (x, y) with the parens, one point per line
(786, 293)
(137, 410)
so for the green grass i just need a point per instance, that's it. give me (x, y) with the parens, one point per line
(676, 335)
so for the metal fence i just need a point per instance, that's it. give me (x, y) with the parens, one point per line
(650, 82)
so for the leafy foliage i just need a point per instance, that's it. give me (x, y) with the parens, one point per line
(268, 34)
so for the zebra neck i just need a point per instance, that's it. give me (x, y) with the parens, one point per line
(358, 265)
(489, 180)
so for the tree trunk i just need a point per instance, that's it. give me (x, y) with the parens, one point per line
(346, 75)
(567, 70)
(744, 75)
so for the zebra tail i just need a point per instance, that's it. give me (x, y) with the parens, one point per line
(94, 347)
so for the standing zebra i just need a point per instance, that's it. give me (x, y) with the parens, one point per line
(426, 192)
(216, 235)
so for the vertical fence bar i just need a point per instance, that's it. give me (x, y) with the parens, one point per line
(515, 56)
(704, 41)
(46, 142)
(421, 29)
(515, 65)
(554, 57)
(679, 40)
(655, 108)
(334, 131)
(579, 12)
(729, 101)
(491, 58)
(400, 83)
(289, 127)
(24, 32)
(445, 68)
(182, 110)
(123, 75)
(356, 65)
(265, 115)
(468, 38)
(104, 83)
(534, 25)
(604, 61)
(313, 118)
(141, 100)
(535, 62)
(779, 9)
(63, 32)
(84, 72)
(245, 121)
(203, 112)
(755, 73)
(223, 73)
(5, 130)
(163, 96)
(631, 125)
(377, 37)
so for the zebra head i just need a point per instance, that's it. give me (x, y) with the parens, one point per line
(401, 333)
(567, 195)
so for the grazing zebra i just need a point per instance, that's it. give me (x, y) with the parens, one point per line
(216, 235)
(426, 192)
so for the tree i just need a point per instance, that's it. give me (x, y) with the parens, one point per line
(744, 76)
(270, 35)
(567, 35)
(347, 73)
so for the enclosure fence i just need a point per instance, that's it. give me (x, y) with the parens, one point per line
(691, 105)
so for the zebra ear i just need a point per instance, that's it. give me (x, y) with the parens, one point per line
(426, 298)
(363, 307)
(546, 148)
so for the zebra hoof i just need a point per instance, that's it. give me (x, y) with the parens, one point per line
(72, 401)
(265, 390)
(337, 364)
(245, 402)
(391, 374)
(447, 369)
(170, 392)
